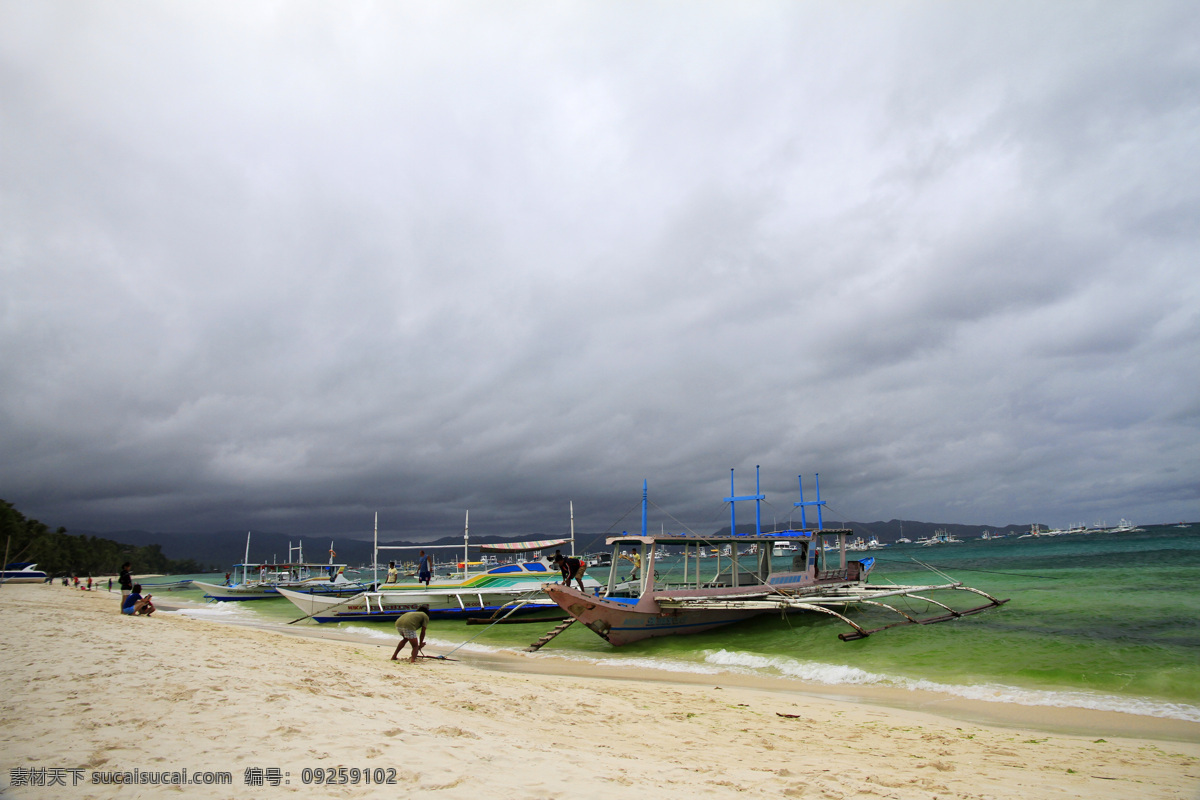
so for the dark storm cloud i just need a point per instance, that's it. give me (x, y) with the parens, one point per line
(283, 266)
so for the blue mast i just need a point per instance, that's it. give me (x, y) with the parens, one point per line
(757, 497)
(644, 487)
(818, 502)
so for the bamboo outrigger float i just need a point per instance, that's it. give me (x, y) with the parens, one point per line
(817, 577)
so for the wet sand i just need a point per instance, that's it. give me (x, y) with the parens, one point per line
(87, 689)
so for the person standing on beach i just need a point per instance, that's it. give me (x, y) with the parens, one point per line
(391, 576)
(110, 584)
(407, 626)
(126, 582)
(423, 571)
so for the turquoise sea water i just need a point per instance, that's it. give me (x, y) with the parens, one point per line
(1107, 621)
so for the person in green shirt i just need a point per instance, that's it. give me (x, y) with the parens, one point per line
(407, 626)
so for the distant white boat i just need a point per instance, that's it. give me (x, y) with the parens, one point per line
(22, 572)
(1035, 531)
(940, 536)
(784, 549)
(261, 581)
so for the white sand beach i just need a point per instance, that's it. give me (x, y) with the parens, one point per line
(90, 695)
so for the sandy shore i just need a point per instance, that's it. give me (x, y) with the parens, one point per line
(89, 690)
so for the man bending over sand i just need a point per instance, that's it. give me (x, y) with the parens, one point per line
(407, 626)
(572, 569)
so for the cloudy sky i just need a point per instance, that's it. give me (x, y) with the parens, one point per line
(280, 265)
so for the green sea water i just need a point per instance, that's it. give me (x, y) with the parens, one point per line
(1107, 621)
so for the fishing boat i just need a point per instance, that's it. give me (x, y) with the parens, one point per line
(940, 536)
(167, 586)
(782, 549)
(1035, 532)
(508, 587)
(262, 581)
(598, 559)
(815, 580)
(513, 588)
(23, 572)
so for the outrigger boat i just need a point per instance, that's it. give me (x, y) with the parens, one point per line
(505, 589)
(818, 578)
(168, 586)
(262, 581)
(516, 587)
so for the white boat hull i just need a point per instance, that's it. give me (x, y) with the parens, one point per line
(388, 605)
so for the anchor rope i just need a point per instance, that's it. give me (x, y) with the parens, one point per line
(520, 601)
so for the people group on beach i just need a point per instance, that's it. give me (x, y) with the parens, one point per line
(408, 626)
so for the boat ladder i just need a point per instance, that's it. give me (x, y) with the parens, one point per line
(533, 648)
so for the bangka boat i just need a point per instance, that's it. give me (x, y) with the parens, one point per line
(815, 579)
(262, 581)
(23, 572)
(940, 536)
(516, 587)
(167, 586)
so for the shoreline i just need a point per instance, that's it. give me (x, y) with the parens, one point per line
(97, 691)
(1071, 720)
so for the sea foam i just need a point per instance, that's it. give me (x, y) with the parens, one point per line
(216, 610)
(837, 674)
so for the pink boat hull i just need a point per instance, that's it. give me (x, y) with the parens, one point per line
(621, 623)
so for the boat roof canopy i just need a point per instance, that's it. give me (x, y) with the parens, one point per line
(693, 538)
(517, 547)
(289, 564)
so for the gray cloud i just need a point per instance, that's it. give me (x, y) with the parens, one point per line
(283, 266)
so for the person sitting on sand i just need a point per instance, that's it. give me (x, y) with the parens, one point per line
(407, 626)
(572, 569)
(136, 605)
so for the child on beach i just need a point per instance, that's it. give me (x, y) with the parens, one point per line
(407, 626)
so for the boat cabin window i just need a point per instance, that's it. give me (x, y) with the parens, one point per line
(764, 562)
(800, 559)
(535, 566)
(506, 568)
